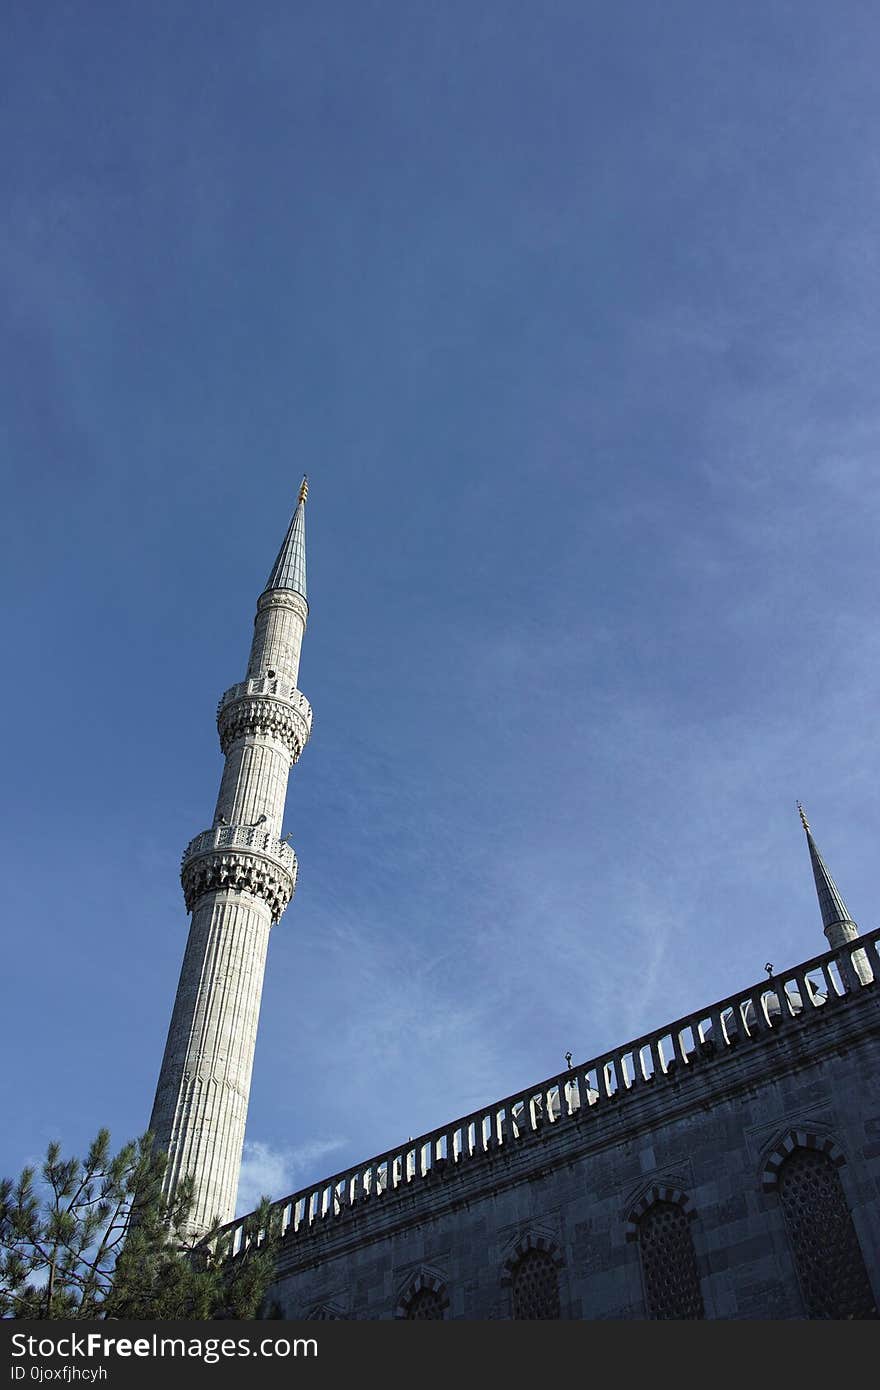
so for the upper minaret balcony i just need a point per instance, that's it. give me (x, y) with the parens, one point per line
(268, 705)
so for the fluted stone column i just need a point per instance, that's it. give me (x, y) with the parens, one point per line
(237, 877)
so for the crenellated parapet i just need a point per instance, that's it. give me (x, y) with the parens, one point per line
(241, 857)
(265, 706)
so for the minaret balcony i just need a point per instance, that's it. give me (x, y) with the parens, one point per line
(244, 858)
(268, 707)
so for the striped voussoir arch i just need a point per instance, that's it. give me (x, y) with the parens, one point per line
(797, 1139)
(425, 1279)
(658, 1193)
(527, 1242)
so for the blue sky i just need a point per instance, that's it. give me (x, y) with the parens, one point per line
(569, 312)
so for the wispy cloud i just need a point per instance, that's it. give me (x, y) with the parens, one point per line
(270, 1172)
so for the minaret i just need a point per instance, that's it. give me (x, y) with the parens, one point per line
(838, 926)
(237, 877)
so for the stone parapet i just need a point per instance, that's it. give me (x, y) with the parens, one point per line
(239, 857)
(265, 706)
(654, 1071)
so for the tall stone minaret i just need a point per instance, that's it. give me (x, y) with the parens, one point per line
(237, 877)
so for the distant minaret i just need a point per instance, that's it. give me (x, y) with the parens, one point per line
(838, 926)
(237, 877)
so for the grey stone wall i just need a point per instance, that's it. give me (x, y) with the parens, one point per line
(709, 1137)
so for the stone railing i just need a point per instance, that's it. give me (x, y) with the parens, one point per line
(747, 1018)
(251, 838)
(271, 686)
(267, 707)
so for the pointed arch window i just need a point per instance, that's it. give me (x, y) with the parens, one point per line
(827, 1255)
(426, 1296)
(669, 1263)
(426, 1303)
(534, 1287)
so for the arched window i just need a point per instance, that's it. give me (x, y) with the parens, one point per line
(426, 1296)
(826, 1250)
(534, 1286)
(426, 1303)
(669, 1263)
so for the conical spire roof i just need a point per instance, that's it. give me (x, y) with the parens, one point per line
(831, 904)
(289, 569)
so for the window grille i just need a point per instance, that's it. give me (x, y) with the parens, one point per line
(535, 1287)
(826, 1251)
(426, 1303)
(669, 1263)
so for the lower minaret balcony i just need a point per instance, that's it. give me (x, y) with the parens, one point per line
(244, 858)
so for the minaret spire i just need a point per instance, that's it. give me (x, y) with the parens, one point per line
(237, 878)
(838, 926)
(289, 569)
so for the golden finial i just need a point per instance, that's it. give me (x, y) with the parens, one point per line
(304, 489)
(804, 822)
